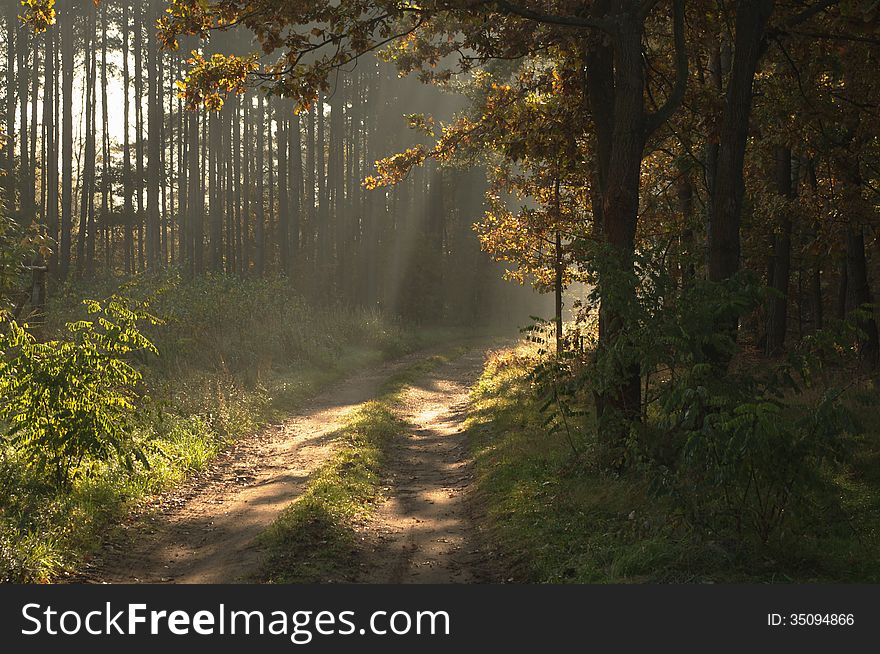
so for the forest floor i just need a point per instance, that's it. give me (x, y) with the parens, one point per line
(207, 529)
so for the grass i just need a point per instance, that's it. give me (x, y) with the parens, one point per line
(315, 539)
(234, 355)
(555, 519)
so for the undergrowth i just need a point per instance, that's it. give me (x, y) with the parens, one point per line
(556, 517)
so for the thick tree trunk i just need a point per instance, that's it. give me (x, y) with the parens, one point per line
(858, 296)
(728, 189)
(619, 405)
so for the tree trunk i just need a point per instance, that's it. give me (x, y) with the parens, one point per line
(128, 206)
(106, 188)
(10, 131)
(50, 160)
(260, 219)
(139, 130)
(67, 64)
(283, 194)
(777, 318)
(154, 116)
(728, 190)
(622, 139)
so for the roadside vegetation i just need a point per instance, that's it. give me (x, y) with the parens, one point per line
(210, 360)
(557, 516)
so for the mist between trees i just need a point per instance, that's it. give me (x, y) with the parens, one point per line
(103, 155)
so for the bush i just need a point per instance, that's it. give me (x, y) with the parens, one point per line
(71, 400)
(737, 443)
(748, 450)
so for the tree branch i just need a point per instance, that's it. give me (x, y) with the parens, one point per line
(809, 12)
(673, 101)
(552, 19)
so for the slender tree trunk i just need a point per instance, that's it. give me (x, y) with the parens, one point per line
(139, 130)
(325, 244)
(777, 321)
(248, 139)
(128, 206)
(10, 131)
(295, 165)
(260, 224)
(283, 191)
(85, 236)
(154, 116)
(195, 198)
(50, 161)
(309, 236)
(106, 188)
(237, 249)
(32, 140)
(26, 191)
(67, 64)
(215, 194)
(269, 231)
(229, 187)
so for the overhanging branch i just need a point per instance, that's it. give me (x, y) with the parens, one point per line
(673, 101)
(554, 19)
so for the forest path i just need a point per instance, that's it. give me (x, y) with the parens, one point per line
(205, 530)
(425, 532)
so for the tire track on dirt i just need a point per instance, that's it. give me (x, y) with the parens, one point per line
(204, 531)
(425, 531)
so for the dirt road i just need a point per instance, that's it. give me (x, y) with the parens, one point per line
(204, 532)
(424, 532)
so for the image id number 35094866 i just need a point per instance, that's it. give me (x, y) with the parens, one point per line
(810, 619)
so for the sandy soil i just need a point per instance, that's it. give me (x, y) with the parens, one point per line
(204, 531)
(425, 532)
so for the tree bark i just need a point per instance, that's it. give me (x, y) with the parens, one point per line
(728, 190)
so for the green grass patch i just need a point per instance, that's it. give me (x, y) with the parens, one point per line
(555, 519)
(314, 540)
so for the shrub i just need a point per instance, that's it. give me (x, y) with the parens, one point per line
(736, 447)
(68, 400)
